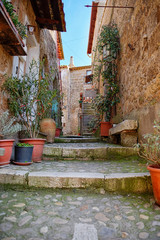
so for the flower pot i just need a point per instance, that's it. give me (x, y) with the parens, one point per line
(7, 144)
(38, 144)
(155, 178)
(23, 155)
(104, 128)
(58, 132)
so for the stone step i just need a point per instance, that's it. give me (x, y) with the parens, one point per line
(86, 151)
(76, 139)
(116, 182)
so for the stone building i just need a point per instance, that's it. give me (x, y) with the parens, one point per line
(139, 60)
(44, 22)
(77, 93)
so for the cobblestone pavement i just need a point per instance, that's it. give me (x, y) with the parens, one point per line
(106, 167)
(52, 215)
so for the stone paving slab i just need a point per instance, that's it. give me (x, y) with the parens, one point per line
(52, 215)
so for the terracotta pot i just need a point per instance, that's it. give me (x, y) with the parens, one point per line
(104, 128)
(155, 177)
(38, 144)
(48, 126)
(58, 132)
(7, 144)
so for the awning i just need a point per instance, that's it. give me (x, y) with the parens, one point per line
(49, 14)
(9, 36)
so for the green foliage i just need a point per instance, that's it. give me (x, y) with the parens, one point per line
(30, 97)
(19, 26)
(105, 68)
(150, 150)
(8, 125)
(24, 145)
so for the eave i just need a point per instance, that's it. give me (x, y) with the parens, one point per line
(9, 36)
(92, 26)
(59, 46)
(49, 14)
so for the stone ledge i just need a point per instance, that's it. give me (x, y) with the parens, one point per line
(126, 125)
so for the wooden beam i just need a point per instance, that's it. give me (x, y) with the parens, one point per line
(46, 21)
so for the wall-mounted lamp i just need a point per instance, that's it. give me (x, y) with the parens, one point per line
(31, 29)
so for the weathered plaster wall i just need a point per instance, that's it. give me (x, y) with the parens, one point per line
(73, 83)
(139, 62)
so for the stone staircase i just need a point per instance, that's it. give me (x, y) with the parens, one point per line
(96, 166)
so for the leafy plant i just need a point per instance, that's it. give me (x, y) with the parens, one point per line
(30, 97)
(24, 145)
(105, 68)
(150, 150)
(8, 125)
(20, 27)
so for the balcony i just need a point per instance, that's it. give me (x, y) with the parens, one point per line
(9, 36)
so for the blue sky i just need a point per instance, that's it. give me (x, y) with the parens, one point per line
(75, 40)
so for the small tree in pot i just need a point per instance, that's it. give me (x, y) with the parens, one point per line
(30, 99)
(150, 150)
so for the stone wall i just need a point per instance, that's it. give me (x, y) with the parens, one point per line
(139, 61)
(73, 83)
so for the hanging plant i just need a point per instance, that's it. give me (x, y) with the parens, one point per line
(19, 26)
(108, 47)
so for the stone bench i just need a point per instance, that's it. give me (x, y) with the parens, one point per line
(2, 151)
(127, 130)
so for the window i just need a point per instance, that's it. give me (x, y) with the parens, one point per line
(88, 78)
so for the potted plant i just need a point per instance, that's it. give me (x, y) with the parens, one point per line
(30, 101)
(150, 150)
(23, 154)
(8, 127)
(105, 69)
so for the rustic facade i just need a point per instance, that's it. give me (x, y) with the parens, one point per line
(75, 89)
(139, 60)
(41, 44)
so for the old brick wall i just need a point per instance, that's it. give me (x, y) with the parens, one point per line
(139, 61)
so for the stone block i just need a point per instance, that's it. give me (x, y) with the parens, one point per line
(48, 150)
(128, 182)
(65, 180)
(9, 176)
(124, 126)
(129, 138)
(85, 232)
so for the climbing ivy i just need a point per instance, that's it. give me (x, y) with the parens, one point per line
(105, 68)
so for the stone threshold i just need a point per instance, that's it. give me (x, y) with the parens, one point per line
(117, 182)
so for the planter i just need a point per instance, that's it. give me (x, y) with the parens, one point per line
(104, 128)
(58, 132)
(155, 177)
(7, 144)
(38, 144)
(23, 155)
